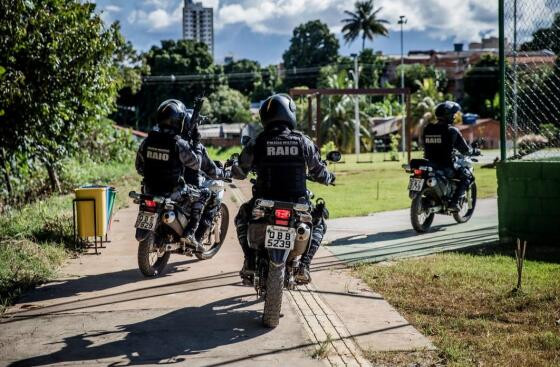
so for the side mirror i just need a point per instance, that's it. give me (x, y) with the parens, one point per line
(334, 156)
(245, 139)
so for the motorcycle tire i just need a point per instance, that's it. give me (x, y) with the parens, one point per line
(150, 264)
(419, 225)
(273, 295)
(224, 225)
(463, 218)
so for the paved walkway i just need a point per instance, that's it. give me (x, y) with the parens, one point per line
(389, 235)
(101, 311)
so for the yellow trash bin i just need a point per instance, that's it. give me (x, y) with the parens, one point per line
(84, 211)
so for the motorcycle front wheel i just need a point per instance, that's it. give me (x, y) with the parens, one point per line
(469, 203)
(419, 216)
(150, 261)
(213, 242)
(273, 295)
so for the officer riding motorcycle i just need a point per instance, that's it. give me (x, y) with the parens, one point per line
(167, 161)
(282, 159)
(440, 139)
(202, 212)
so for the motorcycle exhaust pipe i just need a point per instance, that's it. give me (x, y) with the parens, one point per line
(303, 232)
(169, 217)
(172, 247)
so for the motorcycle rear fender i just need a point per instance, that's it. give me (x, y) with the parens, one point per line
(278, 257)
(412, 194)
(142, 234)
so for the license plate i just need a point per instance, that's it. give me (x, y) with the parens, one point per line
(416, 184)
(281, 238)
(146, 220)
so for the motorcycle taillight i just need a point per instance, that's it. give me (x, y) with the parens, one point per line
(418, 172)
(150, 203)
(282, 216)
(282, 213)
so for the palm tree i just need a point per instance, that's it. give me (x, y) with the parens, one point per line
(338, 122)
(364, 20)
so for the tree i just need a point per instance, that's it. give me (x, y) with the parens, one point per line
(243, 75)
(364, 20)
(481, 84)
(227, 105)
(183, 57)
(269, 84)
(424, 102)
(371, 66)
(414, 74)
(312, 45)
(131, 66)
(60, 77)
(545, 38)
(338, 122)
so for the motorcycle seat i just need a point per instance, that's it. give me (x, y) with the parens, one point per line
(419, 162)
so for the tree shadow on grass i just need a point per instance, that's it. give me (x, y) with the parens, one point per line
(535, 251)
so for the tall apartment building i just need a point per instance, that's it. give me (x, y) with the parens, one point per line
(198, 24)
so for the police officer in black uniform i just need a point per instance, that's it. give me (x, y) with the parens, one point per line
(440, 139)
(202, 213)
(164, 156)
(282, 158)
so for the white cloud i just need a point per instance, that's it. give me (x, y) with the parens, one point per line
(165, 14)
(463, 19)
(112, 9)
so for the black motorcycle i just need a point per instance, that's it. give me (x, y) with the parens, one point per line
(431, 191)
(279, 233)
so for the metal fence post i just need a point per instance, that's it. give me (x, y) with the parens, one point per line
(503, 150)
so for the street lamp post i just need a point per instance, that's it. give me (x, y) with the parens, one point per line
(402, 21)
(356, 109)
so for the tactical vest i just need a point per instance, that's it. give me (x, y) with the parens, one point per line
(438, 146)
(191, 176)
(281, 167)
(162, 166)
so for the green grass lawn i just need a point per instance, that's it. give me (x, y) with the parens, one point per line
(37, 238)
(464, 303)
(364, 188)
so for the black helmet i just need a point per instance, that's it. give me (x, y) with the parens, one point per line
(446, 111)
(278, 109)
(173, 114)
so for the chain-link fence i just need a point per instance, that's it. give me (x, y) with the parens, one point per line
(532, 79)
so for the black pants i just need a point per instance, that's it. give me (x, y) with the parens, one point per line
(208, 214)
(196, 208)
(242, 226)
(465, 178)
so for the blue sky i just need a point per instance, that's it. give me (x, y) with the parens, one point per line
(261, 29)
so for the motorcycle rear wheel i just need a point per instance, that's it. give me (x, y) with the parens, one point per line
(151, 264)
(421, 221)
(273, 296)
(223, 224)
(464, 216)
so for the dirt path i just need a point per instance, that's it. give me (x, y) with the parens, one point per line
(101, 311)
